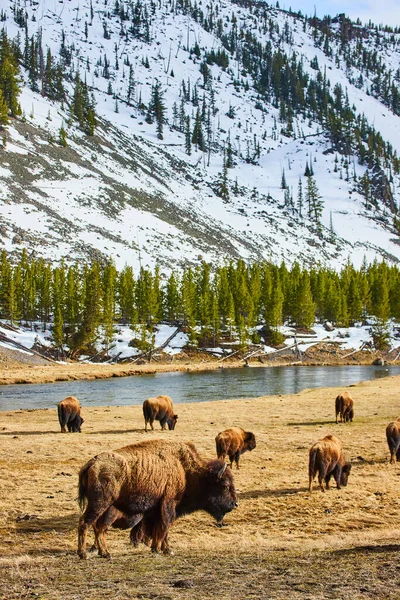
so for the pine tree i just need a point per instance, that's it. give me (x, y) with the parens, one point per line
(188, 136)
(197, 135)
(300, 199)
(62, 136)
(4, 119)
(9, 84)
(157, 108)
(172, 299)
(222, 182)
(314, 201)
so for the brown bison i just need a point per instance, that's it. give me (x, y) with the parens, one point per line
(69, 415)
(146, 486)
(344, 407)
(393, 440)
(327, 459)
(160, 409)
(233, 442)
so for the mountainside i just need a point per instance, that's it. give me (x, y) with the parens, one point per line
(223, 130)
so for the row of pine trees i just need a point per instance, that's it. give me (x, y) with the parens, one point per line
(82, 302)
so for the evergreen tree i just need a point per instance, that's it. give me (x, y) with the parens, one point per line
(314, 202)
(157, 108)
(4, 119)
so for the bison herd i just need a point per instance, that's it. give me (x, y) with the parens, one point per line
(145, 486)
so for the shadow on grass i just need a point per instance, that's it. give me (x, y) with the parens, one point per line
(368, 549)
(114, 431)
(308, 423)
(12, 433)
(35, 524)
(272, 493)
(54, 432)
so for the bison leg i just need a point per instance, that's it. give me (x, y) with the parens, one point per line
(167, 516)
(394, 451)
(100, 529)
(337, 475)
(237, 458)
(327, 480)
(139, 533)
(93, 512)
(321, 476)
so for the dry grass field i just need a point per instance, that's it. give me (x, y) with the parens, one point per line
(281, 542)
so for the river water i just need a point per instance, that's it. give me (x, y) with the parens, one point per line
(197, 386)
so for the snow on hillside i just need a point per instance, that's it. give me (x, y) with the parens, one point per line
(141, 200)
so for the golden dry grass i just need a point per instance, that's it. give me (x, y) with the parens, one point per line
(282, 542)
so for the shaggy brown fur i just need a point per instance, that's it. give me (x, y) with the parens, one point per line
(233, 442)
(69, 415)
(146, 486)
(327, 459)
(160, 409)
(344, 407)
(393, 440)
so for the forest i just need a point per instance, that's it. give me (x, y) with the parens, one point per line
(84, 302)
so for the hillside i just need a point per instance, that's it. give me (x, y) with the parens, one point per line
(226, 130)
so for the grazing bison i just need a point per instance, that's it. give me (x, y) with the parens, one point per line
(146, 486)
(344, 407)
(160, 409)
(393, 440)
(327, 459)
(233, 442)
(69, 415)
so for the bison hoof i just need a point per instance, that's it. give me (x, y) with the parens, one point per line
(222, 524)
(168, 552)
(82, 555)
(106, 555)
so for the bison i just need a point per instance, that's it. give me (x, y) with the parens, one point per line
(393, 440)
(146, 486)
(327, 459)
(344, 407)
(160, 409)
(69, 415)
(233, 442)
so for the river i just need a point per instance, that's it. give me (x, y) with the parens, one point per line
(196, 386)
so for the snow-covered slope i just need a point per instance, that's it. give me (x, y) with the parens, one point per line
(128, 195)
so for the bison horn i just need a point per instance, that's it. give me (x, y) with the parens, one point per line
(222, 471)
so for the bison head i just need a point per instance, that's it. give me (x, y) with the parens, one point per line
(345, 474)
(219, 490)
(349, 415)
(250, 441)
(172, 422)
(74, 426)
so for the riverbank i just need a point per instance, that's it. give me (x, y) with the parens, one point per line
(277, 543)
(32, 370)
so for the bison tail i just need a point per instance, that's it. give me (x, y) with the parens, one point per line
(61, 417)
(311, 466)
(221, 448)
(83, 485)
(147, 411)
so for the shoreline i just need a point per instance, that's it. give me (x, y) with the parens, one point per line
(56, 372)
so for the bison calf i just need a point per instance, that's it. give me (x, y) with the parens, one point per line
(233, 442)
(393, 440)
(344, 407)
(160, 409)
(69, 415)
(146, 486)
(327, 459)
